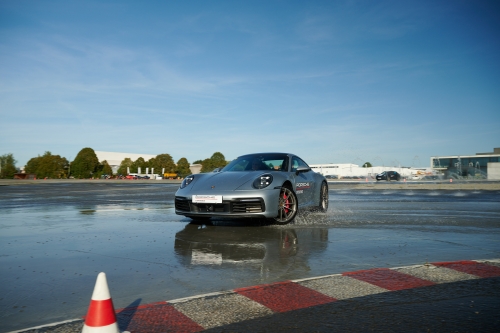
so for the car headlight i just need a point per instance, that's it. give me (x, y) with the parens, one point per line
(263, 181)
(187, 181)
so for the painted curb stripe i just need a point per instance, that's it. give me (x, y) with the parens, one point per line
(285, 296)
(472, 267)
(101, 313)
(158, 317)
(389, 279)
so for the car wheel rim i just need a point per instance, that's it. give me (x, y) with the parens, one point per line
(287, 206)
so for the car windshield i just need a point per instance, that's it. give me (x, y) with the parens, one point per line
(254, 162)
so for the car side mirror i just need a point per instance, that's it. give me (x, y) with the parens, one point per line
(302, 169)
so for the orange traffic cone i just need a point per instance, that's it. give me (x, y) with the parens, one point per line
(101, 317)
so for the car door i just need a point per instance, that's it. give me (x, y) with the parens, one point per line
(304, 182)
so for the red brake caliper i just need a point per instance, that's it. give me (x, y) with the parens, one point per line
(286, 206)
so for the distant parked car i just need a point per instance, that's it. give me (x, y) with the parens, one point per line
(144, 177)
(388, 175)
(130, 177)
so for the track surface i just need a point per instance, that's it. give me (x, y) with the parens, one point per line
(56, 238)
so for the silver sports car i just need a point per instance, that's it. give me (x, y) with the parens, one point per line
(265, 185)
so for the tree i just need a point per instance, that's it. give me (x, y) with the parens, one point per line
(198, 162)
(183, 168)
(7, 166)
(139, 163)
(48, 166)
(216, 161)
(85, 164)
(106, 168)
(32, 165)
(126, 163)
(367, 165)
(206, 165)
(103, 169)
(151, 164)
(164, 161)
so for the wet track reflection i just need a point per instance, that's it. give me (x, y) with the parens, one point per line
(55, 239)
(274, 254)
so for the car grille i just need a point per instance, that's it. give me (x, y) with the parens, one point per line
(247, 206)
(239, 206)
(182, 204)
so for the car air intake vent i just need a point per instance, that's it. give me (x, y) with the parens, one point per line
(182, 204)
(248, 206)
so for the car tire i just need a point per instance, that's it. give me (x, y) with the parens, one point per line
(323, 198)
(287, 206)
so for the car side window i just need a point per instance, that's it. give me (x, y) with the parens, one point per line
(298, 163)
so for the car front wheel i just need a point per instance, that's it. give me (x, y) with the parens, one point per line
(287, 206)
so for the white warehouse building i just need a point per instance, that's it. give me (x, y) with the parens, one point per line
(115, 159)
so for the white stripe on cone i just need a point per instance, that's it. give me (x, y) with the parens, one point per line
(103, 329)
(101, 317)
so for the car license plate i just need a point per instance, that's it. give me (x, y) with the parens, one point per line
(207, 199)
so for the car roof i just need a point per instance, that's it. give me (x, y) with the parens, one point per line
(270, 152)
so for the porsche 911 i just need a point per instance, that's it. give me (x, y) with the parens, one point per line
(264, 185)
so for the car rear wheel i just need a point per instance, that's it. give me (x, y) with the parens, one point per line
(287, 206)
(323, 198)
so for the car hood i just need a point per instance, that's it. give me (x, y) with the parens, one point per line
(224, 181)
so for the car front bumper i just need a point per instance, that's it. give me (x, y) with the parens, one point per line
(234, 204)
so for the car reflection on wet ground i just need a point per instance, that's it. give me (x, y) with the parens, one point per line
(56, 238)
(273, 253)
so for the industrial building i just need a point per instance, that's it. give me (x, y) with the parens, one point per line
(479, 166)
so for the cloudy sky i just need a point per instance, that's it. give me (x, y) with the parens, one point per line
(390, 82)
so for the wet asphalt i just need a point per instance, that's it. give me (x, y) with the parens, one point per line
(56, 238)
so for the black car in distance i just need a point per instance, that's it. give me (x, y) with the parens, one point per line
(388, 175)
